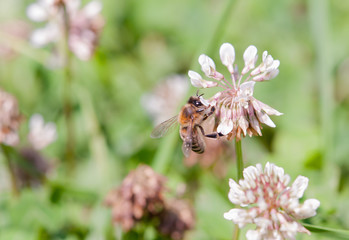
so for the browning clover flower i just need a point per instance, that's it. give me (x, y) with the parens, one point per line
(272, 205)
(84, 25)
(237, 111)
(176, 219)
(41, 134)
(10, 119)
(140, 195)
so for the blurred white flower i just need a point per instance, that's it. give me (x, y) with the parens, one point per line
(237, 111)
(41, 10)
(43, 36)
(163, 101)
(41, 134)
(268, 202)
(84, 24)
(10, 119)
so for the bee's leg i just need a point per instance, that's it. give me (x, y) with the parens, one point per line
(214, 135)
(201, 129)
(212, 110)
(211, 135)
(207, 114)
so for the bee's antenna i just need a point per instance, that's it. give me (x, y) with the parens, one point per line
(197, 93)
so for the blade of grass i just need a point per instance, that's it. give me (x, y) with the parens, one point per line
(319, 20)
(14, 186)
(334, 233)
(67, 101)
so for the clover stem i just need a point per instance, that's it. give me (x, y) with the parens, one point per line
(70, 137)
(239, 159)
(240, 169)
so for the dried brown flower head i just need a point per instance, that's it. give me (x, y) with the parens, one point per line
(10, 119)
(177, 218)
(140, 195)
(32, 171)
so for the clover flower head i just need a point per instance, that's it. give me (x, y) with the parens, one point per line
(84, 24)
(140, 194)
(10, 119)
(41, 134)
(85, 29)
(238, 112)
(268, 202)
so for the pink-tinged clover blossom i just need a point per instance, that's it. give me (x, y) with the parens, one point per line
(10, 119)
(84, 24)
(237, 111)
(267, 201)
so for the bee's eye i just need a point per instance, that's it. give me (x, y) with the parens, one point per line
(197, 103)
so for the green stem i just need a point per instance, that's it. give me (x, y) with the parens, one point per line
(236, 232)
(239, 160)
(319, 19)
(69, 151)
(164, 155)
(11, 170)
(240, 169)
(338, 233)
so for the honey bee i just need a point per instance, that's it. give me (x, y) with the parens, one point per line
(190, 118)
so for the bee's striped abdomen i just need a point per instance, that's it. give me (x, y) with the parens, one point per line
(196, 147)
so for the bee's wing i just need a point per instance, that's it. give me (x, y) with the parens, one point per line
(163, 128)
(188, 141)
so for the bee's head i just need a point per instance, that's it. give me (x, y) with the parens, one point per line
(195, 101)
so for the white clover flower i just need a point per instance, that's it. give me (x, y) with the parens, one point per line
(268, 202)
(237, 111)
(84, 24)
(41, 134)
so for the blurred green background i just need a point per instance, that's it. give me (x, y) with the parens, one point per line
(146, 41)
